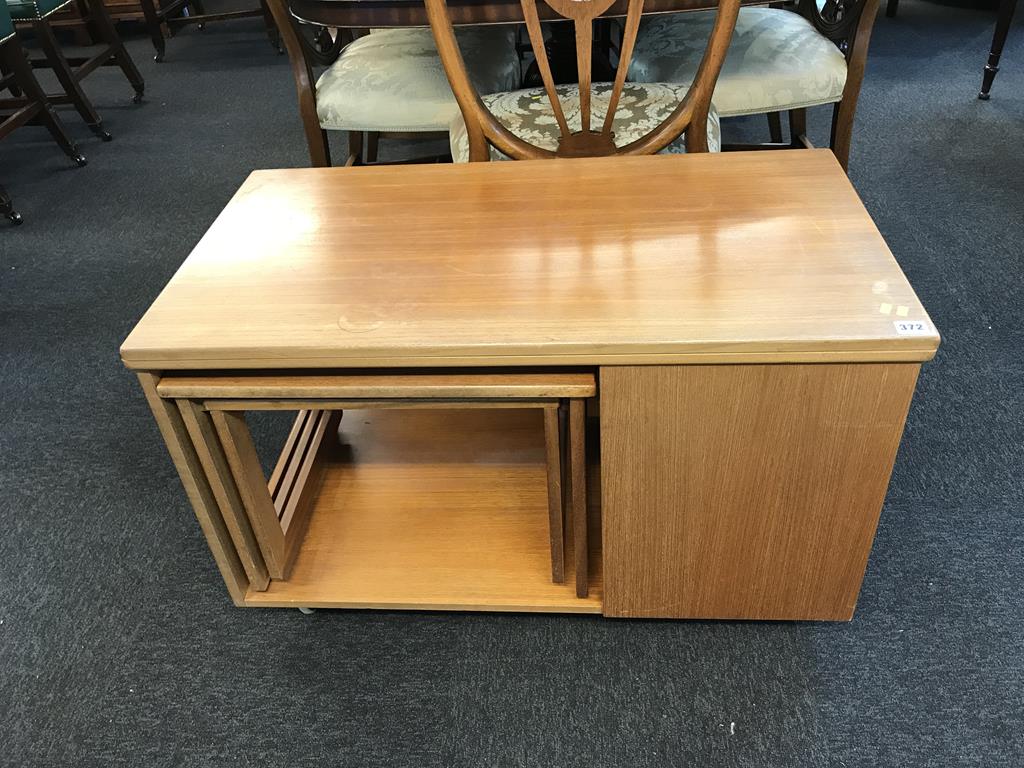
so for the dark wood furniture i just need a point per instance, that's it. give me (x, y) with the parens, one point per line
(175, 14)
(31, 103)
(28, 103)
(820, 49)
(7, 208)
(486, 130)
(161, 19)
(751, 399)
(71, 72)
(1003, 21)
(848, 24)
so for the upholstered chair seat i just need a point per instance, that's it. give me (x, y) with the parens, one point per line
(528, 114)
(777, 60)
(392, 79)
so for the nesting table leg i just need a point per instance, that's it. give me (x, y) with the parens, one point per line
(578, 480)
(553, 455)
(193, 478)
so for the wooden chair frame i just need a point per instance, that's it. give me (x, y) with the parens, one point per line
(31, 103)
(70, 71)
(170, 15)
(7, 207)
(485, 130)
(848, 24)
(310, 45)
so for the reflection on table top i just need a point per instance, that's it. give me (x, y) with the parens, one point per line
(739, 257)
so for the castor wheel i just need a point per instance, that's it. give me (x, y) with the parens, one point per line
(137, 98)
(14, 217)
(159, 57)
(80, 160)
(307, 611)
(984, 96)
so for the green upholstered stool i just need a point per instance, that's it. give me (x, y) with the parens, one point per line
(16, 74)
(71, 73)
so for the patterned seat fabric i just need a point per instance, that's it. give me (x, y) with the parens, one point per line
(392, 79)
(26, 10)
(528, 114)
(777, 59)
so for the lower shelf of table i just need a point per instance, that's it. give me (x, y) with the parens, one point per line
(435, 510)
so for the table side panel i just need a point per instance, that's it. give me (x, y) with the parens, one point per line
(745, 492)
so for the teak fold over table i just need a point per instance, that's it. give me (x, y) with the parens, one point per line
(755, 347)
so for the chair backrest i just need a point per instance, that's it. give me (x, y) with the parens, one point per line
(838, 20)
(484, 129)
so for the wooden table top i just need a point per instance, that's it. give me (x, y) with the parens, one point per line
(736, 257)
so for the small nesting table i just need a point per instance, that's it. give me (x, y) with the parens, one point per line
(755, 347)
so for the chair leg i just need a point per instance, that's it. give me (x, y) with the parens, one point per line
(90, 28)
(100, 17)
(578, 478)
(891, 8)
(372, 140)
(552, 451)
(273, 33)
(797, 126)
(1006, 9)
(15, 62)
(11, 86)
(842, 134)
(775, 127)
(7, 208)
(67, 78)
(355, 148)
(153, 26)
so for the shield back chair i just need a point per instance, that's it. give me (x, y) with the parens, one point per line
(585, 119)
(390, 81)
(71, 72)
(30, 104)
(779, 60)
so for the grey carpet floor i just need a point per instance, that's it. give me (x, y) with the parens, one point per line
(119, 647)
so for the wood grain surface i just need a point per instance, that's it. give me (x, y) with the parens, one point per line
(741, 257)
(435, 510)
(506, 384)
(745, 492)
(197, 487)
